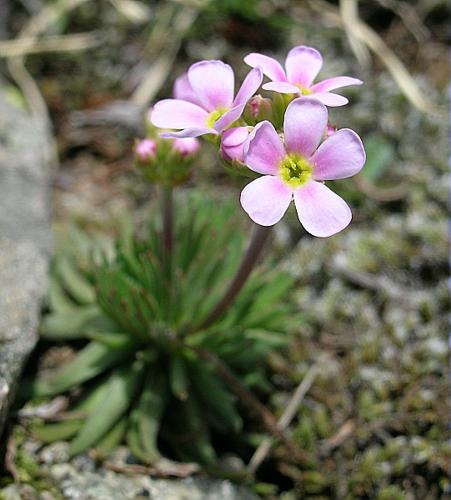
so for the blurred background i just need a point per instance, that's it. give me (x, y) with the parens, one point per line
(373, 301)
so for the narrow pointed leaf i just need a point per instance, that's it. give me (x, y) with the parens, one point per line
(74, 282)
(94, 359)
(68, 324)
(60, 431)
(113, 438)
(122, 387)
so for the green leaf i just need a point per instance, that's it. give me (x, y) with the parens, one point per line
(146, 417)
(60, 431)
(122, 387)
(58, 300)
(90, 401)
(190, 439)
(113, 340)
(178, 378)
(268, 340)
(74, 282)
(92, 360)
(68, 325)
(134, 441)
(379, 156)
(215, 398)
(275, 288)
(113, 438)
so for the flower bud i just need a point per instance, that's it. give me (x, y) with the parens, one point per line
(258, 109)
(145, 150)
(187, 146)
(233, 142)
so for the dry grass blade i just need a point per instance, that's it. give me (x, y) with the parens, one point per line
(358, 30)
(349, 13)
(135, 12)
(262, 451)
(343, 433)
(159, 70)
(65, 43)
(409, 17)
(16, 67)
(48, 15)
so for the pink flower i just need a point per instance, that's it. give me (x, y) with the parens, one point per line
(204, 101)
(296, 168)
(233, 141)
(146, 150)
(186, 146)
(302, 66)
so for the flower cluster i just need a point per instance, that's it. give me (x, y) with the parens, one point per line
(287, 139)
(166, 162)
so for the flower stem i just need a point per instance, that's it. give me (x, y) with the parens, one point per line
(259, 237)
(168, 218)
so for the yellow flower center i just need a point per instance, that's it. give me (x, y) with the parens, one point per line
(303, 90)
(295, 170)
(214, 116)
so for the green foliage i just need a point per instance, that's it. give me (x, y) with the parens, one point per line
(132, 313)
(380, 155)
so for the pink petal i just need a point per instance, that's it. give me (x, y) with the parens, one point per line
(228, 118)
(304, 125)
(175, 113)
(232, 143)
(321, 211)
(264, 149)
(249, 86)
(341, 155)
(330, 99)
(213, 84)
(235, 136)
(335, 83)
(270, 67)
(281, 87)
(302, 65)
(266, 200)
(183, 90)
(187, 132)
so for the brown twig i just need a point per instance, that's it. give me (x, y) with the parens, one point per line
(161, 469)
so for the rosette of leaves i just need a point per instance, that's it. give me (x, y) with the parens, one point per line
(136, 376)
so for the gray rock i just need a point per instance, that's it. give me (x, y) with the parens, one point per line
(24, 242)
(109, 485)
